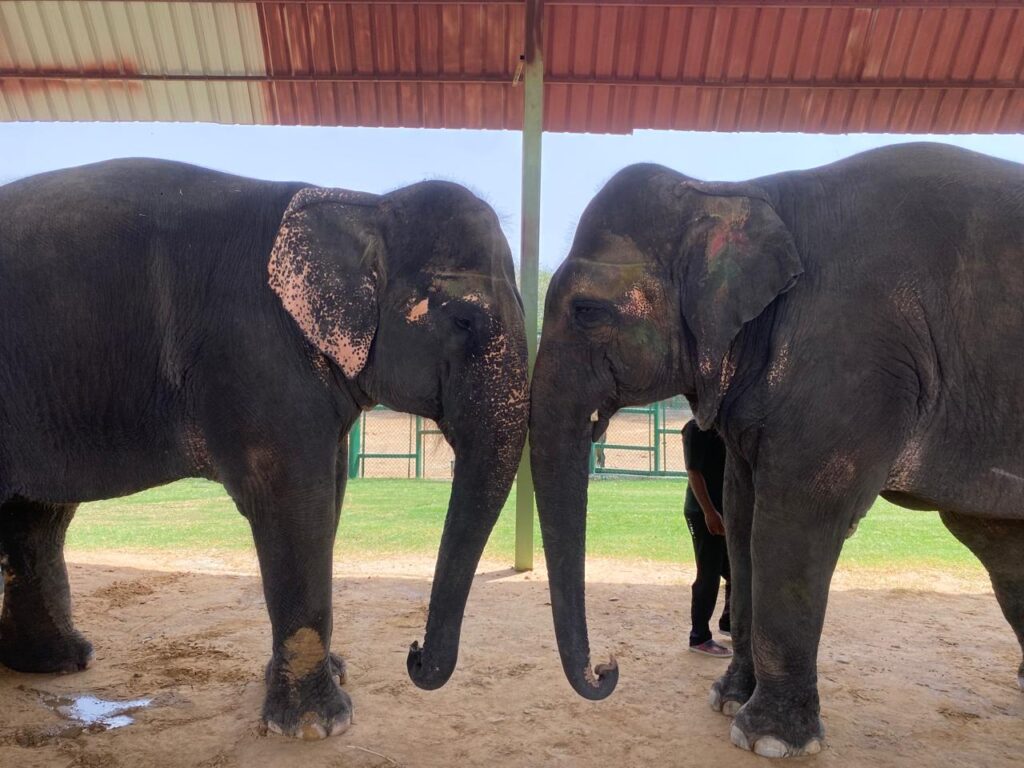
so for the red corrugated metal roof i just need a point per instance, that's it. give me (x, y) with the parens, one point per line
(611, 65)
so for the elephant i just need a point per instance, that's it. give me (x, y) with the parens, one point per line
(163, 321)
(850, 331)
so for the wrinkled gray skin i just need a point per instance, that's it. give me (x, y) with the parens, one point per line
(162, 321)
(850, 331)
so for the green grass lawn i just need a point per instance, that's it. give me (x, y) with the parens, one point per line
(632, 519)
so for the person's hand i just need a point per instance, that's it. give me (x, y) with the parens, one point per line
(714, 522)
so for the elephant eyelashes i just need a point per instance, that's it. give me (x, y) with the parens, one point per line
(591, 314)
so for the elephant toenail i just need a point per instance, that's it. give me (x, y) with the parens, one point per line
(738, 737)
(715, 700)
(731, 707)
(769, 746)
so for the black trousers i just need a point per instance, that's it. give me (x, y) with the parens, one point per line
(712, 567)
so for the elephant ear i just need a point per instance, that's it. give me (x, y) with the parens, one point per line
(325, 267)
(737, 259)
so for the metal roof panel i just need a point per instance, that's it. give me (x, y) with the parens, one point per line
(612, 65)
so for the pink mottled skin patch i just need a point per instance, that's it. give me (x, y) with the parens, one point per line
(476, 298)
(907, 301)
(726, 374)
(418, 312)
(835, 474)
(321, 366)
(195, 446)
(904, 471)
(636, 305)
(470, 298)
(779, 367)
(350, 352)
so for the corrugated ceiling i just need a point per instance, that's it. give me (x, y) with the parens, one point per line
(926, 66)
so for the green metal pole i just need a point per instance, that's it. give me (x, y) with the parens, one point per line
(419, 447)
(657, 437)
(529, 266)
(354, 447)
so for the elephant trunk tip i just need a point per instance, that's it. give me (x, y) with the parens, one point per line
(425, 672)
(597, 683)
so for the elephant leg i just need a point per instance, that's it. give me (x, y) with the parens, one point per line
(795, 541)
(294, 518)
(36, 630)
(338, 666)
(999, 545)
(734, 687)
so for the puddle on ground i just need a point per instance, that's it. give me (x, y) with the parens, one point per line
(96, 714)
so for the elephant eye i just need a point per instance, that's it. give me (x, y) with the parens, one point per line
(463, 323)
(589, 314)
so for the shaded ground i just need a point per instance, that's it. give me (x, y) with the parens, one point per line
(916, 669)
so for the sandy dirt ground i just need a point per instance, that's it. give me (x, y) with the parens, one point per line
(916, 670)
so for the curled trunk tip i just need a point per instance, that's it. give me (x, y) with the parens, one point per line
(426, 673)
(599, 682)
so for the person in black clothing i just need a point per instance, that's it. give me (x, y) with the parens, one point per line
(704, 453)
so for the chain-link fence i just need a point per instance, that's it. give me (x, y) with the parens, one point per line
(643, 441)
(386, 443)
(639, 441)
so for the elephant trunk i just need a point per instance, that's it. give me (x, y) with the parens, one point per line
(488, 443)
(560, 437)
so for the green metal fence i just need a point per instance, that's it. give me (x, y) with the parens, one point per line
(386, 438)
(641, 441)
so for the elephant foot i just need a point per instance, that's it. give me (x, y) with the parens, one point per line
(731, 691)
(311, 708)
(778, 728)
(60, 654)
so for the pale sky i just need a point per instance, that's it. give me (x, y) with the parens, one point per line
(380, 159)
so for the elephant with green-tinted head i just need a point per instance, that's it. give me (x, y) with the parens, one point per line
(849, 331)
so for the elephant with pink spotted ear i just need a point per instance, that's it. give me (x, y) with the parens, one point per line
(163, 321)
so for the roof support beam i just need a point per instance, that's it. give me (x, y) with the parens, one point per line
(868, 4)
(529, 249)
(811, 85)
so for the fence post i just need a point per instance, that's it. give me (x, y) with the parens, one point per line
(419, 447)
(657, 438)
(355, 447)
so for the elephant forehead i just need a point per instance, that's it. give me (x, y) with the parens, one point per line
(734, 210)
(606, 279)
(472, 287)
(633, 287)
